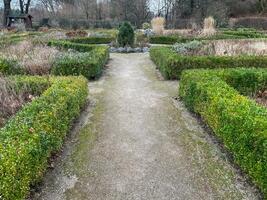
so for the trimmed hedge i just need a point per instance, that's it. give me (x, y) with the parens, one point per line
(172, 64)
(10, 67)
(167, 39)
(88, 64)
(37, 130)
(71, 45)
(245, 34)
(240, 123)
(93, 40)
(228, 34)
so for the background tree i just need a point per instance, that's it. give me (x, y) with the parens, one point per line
(7, 10)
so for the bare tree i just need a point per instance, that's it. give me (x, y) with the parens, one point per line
(24, 6)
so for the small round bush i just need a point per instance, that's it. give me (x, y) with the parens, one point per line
(146, 26)
(126, 35)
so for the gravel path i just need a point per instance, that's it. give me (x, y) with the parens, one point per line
(135, 141)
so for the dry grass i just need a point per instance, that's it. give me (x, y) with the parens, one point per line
(36, 60)
(10, 99)
(238, 47)
(158, 25)
(209, 26)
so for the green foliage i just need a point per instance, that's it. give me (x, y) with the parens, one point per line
(126, 35)
(244, 33)
(93, 40)
(240, 123)
(225, 34)
(187, 48)
(70, 45)
(146, 26)
(167, 39)
(172, 64)
(37, 130)
(88, 64)
(10, 67)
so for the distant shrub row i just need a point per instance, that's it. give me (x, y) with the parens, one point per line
(227, 34)
(93, 40)
(172, 64)
(71, 45)
(239, 122)
(167, 39)
(36, 131)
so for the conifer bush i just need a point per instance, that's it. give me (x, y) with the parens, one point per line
(126, 35)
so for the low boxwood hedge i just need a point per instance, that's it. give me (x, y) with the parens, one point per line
(71, 45)
(172, 64)
(167, 39)
(89, 64)
(35, 132)
(239, 122)
(245, 34)
(93, 40)
(10, 67)
(227, 34)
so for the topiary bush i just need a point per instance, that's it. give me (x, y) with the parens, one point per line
(146, 26)
(126, 35)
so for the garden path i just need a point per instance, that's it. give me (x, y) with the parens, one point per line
(135, 141)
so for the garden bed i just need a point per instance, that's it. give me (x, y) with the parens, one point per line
(221, 35)
(171, 64)
(239, 122)
(12, 98)
(26, 58)
(37, 130)
(89, 61)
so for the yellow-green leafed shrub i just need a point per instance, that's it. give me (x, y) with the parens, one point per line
(239, 122)
(171, 64)
(89, 64)
(36, 131)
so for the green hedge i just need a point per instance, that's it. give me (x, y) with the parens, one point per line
(37, 130)
(245, 34)
(171, 64)
(71, 45)
(167, 39)
(10, 67)
(89, 64)
(229, 34)
(93, 40)
(239, 122)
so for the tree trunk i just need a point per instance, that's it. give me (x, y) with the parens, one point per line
(27, 6)
(7, 9)
(21, 2)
